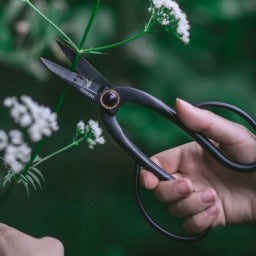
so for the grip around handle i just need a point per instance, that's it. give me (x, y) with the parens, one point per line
(128, 94)
(133, 95)
(156, 225)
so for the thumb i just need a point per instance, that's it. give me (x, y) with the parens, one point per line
(211, 125)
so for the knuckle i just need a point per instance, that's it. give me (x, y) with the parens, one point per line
(161, 195)
(198, 222)
(165, 191)
(175, 211)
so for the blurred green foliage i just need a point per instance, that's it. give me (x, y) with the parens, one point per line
(87, 201)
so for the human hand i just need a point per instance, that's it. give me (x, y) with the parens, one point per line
(205, 193)
(16, 243)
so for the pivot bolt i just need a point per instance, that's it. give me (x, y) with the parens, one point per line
(110, 99)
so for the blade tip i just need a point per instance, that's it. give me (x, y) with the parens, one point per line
(43, 60)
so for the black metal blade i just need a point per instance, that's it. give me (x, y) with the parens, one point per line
(84, 67)
(88, 87)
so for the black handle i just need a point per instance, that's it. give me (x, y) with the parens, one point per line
(108, 112)
(127, 94)
(112, 100)
(117, 133)
(155, 224)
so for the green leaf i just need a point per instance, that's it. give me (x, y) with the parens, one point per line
(37, 171)
(35, 179)
(31, 181)
(8, 178)
(26, 186)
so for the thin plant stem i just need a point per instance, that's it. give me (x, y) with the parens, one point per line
(101, 48)
(90, 22)
(52, 24)
(62, 97)
(147, 29)
(85, 35)
(79, 50)
(74, 143)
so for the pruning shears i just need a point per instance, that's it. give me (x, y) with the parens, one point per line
(110, 99)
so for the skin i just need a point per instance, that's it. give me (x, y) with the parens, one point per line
(205, 193)
(14, 242)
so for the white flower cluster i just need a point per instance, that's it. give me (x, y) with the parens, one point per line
(38, 119)
(16, 151)
(92, 131)
(168, 13)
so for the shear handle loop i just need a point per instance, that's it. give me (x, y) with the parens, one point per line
(128, 94)
(155, 224)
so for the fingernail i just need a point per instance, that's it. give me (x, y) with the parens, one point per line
(178, 100)
(213, 210)
(183, 188)
(207, 196)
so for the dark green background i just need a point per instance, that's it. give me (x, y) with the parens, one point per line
(87, 201)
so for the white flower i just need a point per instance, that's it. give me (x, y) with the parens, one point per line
(16, 137)
(17, 156)
(38, 119)
(3, 140)
(25, 120)
(97, 138)
(81, 127)
(95, 128)
(16, 152)
(44, 121)
(169, 14)
(34, 133)
(19, 112)
(10, 101)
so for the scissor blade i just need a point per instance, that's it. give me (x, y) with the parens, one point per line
(88, 87)
(84, 67)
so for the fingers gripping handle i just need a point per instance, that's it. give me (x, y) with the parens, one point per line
(156, 225)
(141, 98)
(117, 133)
(112, 125)
(128, 94)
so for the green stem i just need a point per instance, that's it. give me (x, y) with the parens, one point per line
(52, 24)
(85, 35)
(74, 143)
(41, 143)
(74, 65)
(89, 25)
(61, 100)
(152, 21)
(62, 97)
(101, 48)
